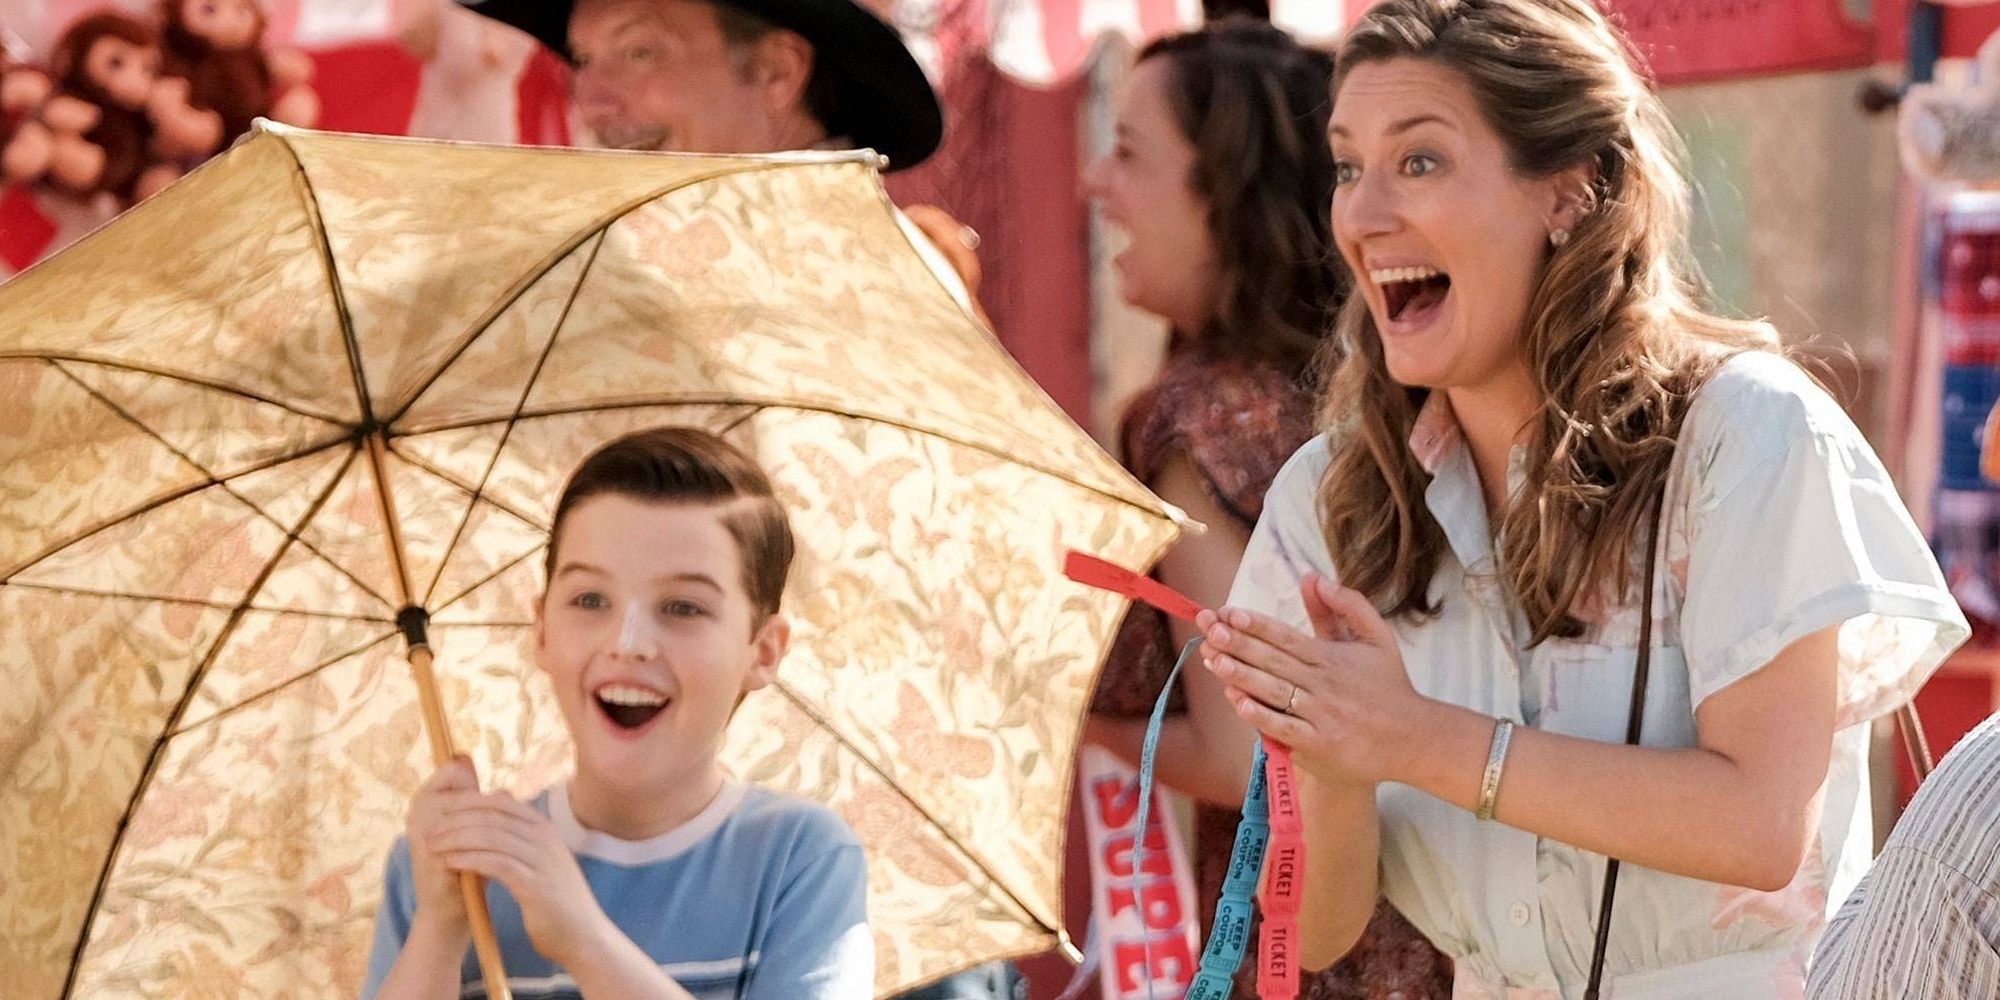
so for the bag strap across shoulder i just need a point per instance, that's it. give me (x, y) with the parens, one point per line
(1634, 726)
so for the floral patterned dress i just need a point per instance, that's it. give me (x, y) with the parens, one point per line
(1238, 420)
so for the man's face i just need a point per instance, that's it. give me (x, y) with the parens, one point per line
(660, 75)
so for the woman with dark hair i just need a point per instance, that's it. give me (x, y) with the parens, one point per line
(1221, 179)
(1615, 579)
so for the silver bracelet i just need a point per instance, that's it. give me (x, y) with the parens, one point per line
(1496, 762)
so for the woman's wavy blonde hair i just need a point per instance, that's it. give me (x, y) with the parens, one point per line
(1614, 337)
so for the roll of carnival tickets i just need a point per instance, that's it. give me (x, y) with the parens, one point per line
(1284, 867)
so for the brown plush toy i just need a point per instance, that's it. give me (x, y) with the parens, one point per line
(218, 46)
(181, 131)
(41, 136)
(22, 87)
(148, 129)
(109, 60)
(26, 146)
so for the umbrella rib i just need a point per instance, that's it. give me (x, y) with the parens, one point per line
(189, 602)
(364, 647)
(334, 290)
(730, 427)
(240, 498)
(507, 433)
(504, 568)
(321, 669)
(464, 487)
(212, 384)
(158, 751)
(867, 761)
(274, 689)
(721, 399)
(596, 227)
(156, 503)
(498, 572)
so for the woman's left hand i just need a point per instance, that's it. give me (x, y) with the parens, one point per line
(1339, 698)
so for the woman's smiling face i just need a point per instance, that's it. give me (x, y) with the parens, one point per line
(1447, 240)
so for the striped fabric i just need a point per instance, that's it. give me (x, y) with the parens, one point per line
(1046, 41)
(1925, 923)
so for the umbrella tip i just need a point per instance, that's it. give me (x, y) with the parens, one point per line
(1069, 950)
(1182, 520)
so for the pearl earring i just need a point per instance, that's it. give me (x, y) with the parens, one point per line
(1558, 237)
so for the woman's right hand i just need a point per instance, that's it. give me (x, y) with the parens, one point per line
(439, 899)
(1339, 697)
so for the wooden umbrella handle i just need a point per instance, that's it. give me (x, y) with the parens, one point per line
(413, 621)
(484, 942)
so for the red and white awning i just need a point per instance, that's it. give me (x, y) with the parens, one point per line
(1043, 41)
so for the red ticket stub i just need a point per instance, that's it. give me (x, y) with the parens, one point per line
(1106, 575)
(1284, 790)
(1277, 958)
(1284, 873)
(1283, 866)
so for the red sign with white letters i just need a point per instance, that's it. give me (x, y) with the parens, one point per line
(1142, 894)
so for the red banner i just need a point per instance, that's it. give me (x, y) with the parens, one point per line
(1688, 41)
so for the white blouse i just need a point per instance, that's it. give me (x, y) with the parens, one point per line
(1780, 522)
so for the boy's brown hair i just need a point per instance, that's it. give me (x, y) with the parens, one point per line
(691, 465)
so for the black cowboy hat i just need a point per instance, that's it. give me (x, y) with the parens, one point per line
(884, 100)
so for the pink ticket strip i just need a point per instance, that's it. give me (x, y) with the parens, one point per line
(1284, 867)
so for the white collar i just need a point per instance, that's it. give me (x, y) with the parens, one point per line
(595, 844)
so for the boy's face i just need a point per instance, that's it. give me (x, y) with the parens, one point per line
(648, 635)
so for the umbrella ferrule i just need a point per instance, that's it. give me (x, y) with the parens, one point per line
(415, 625)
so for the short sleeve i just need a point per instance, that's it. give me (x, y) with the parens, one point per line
(1787, 525)
(1288, 542)
(818, 946)
(1237, 420)
(392, 918)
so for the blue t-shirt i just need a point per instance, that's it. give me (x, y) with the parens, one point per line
(761, 896)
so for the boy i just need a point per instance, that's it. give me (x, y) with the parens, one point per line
(649, 873)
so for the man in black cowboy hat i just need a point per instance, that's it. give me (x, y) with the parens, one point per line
(737, 76)
(749, 76)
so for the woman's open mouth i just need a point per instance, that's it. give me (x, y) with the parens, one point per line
(1411, 295)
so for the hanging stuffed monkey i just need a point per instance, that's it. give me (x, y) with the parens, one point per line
(217, 45)
(42, 133)
(109, 61)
